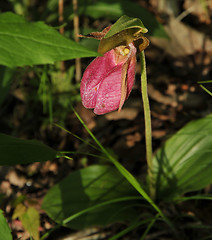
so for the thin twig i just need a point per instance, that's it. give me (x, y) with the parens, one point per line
(76, 33)
(61, 19)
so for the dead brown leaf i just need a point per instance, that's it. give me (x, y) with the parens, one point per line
(132, 139)
(126, 113)
(158, 133)
(5, 187)
(15, 179)
(199, 9)
(159, 97)
(183, 40)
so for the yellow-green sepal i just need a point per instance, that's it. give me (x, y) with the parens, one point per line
(124, 31)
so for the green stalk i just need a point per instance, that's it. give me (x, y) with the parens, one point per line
(130, 178)
(148, 128)
(205, 89)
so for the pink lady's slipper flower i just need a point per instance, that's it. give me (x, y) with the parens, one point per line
(108, 80)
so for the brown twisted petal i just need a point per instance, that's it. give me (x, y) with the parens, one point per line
(96, 35)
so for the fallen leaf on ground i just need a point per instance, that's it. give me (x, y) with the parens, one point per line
(132, 139)
(183, 40)
(126, 113)
(199, 9)
(159, 97)
(16, 180)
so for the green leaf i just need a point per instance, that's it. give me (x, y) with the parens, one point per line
(19, 211)
(26, 43)
(4, 228)
(125, 173)
(111, 10)
(29, 217)
(124, 23)
(93, 196)
(31, 222)
(184, 163)
(17, 151)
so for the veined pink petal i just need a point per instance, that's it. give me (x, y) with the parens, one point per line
(109, 94)
(94, 74)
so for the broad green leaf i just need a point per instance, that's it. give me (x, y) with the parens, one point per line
(92, 188)
(184, 163)
(17, 151)
(5, 232)
(27, 43)
(124, 172)
(5, 82)
(31, 222)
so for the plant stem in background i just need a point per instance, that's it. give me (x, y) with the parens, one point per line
(76, 33)
(61, 19)
(148, 128)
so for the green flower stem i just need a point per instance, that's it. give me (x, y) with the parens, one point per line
(148, 128)
(205, 89)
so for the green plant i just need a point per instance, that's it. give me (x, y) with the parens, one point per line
(102, 194)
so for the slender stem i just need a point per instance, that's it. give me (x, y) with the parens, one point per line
(76, 33)
(148, 128)
(61, 17)
(207, 81)
(149, 227)
(204, 88)
(61, 20)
